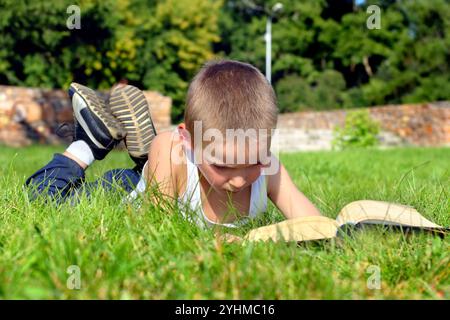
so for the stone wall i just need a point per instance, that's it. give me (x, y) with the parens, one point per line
(32, 115)
(425, 124)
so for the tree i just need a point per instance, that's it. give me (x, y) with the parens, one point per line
(324, 56)
(178, 38)
(37, 48)
(153, 44)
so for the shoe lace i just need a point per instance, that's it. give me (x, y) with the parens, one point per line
(65, 130)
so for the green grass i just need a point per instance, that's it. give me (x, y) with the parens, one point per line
(125, 251)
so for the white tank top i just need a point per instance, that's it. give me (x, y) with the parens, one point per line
(190, 201)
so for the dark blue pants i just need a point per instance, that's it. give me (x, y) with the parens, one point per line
(63, 178)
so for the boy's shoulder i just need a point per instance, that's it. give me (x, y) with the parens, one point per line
(168, 145)
(167, 136)
(167, 155)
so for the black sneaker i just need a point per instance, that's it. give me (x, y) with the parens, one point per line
(94, 123)
(129, 105)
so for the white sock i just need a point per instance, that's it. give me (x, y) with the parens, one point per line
(81, 150)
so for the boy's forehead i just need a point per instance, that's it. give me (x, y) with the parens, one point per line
(230, 146)
(233, 153)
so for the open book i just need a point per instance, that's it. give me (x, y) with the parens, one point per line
(356, 214)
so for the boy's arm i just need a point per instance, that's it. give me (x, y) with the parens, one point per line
(286, 196)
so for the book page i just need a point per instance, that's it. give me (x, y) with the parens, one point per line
(383, 213)
(298, 229)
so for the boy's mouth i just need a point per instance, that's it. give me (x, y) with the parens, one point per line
(232, 189)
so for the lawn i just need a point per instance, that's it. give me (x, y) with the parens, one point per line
(128, 251)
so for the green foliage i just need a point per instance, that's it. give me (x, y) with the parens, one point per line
(407, 60)
(155, 45)
(326, 92)
(293, 94)
(359, 131)
(324, 56)
(39, 49)
(178, 37)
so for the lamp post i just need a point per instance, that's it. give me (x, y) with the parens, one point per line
(268, 37)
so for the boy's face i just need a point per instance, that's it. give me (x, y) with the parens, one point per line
(230, 166)
(226, 176)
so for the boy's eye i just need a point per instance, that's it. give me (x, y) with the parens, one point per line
(219, 167)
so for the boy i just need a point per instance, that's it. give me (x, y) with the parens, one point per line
(189, 164)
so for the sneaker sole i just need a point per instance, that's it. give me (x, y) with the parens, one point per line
(129, 105)
(99, 109)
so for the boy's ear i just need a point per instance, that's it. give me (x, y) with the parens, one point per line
(184, 134)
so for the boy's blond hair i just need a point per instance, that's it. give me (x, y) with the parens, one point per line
(229, 94)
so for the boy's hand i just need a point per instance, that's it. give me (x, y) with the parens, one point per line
(229, 238)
